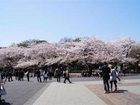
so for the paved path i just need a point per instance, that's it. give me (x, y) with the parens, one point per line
(78, 94)
(19, 92)
(128, 93)
(83, 91)
(68, 94)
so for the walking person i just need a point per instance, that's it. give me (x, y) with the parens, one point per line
(66, 76)
(113, 78)
(105, 75)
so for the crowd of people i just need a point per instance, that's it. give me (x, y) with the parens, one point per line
(40, 74)
(108, 74)
(48, 74)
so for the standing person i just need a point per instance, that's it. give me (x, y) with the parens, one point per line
(10, 75)
(50, 73)
(38, 76)
(6, 75)
(28, 76)
(45, 76)
(2, 89)
(117, 72)
(58, 74)
(22, 75)
(105, 74)
(113, 78)
(66, 76)
(19, 75)
(2, 75)
(16, 74)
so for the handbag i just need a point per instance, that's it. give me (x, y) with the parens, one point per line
(111, 78)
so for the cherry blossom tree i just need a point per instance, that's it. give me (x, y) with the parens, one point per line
(81, 50)
(10, 55)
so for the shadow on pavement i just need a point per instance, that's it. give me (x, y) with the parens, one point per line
(120, 91)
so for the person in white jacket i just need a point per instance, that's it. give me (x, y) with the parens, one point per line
(113, 78)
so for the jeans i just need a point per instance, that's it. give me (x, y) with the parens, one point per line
(106, 84)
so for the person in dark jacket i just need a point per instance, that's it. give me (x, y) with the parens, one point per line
(105, 75)
(58, 74)
(10, 76)
(39, 75)
(28, 76)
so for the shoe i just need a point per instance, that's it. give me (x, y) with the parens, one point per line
(105, 92)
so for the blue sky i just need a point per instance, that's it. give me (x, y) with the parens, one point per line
(52, 20)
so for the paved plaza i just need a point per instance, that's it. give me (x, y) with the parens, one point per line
(88, 92)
